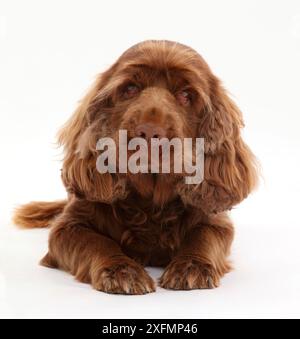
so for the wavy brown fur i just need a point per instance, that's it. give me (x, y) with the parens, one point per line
(113, 224)
(38, 214)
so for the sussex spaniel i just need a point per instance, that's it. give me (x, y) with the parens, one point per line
(112, 225)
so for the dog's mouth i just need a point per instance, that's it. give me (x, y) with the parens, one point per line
(157, 157)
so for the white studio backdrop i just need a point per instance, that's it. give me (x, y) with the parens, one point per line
(50, 52)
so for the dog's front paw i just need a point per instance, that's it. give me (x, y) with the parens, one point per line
(121, 275)
(185, 273)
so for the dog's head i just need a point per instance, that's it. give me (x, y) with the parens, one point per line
(157, 89)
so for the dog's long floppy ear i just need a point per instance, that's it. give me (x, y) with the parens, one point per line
(79, 137)
(230, 171)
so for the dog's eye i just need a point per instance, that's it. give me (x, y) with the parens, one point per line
(131, 91)
(184, 98)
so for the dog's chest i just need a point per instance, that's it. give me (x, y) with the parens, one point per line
(151, 236)
(150, 245)
(148, 234)
(154, 241)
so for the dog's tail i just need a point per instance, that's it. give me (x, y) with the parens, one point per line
(38, 214)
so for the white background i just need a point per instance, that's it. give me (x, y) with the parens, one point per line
(50, 52)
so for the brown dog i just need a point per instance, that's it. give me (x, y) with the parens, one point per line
(112, 225)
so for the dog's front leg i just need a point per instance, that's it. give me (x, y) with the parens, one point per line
(93, 258)
(203, 259)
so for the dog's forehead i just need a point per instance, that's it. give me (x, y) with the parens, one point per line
(181, 63)
(162, 54)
